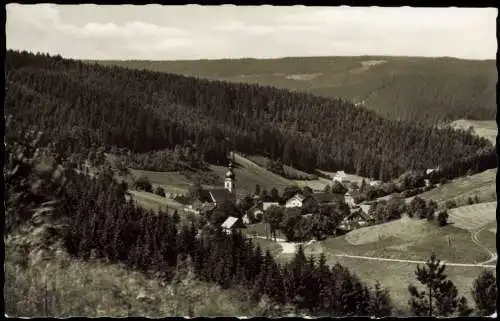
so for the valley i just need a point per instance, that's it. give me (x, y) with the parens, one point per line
(165, 136)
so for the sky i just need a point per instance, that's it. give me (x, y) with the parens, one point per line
(155, 32)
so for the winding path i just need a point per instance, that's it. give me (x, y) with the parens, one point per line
(411, 261)
(475, 240)
(290, 247)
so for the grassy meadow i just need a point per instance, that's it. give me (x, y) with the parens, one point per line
(460, 189)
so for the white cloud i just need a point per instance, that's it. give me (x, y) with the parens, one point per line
(189, 32)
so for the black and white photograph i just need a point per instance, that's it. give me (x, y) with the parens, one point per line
(250, 161)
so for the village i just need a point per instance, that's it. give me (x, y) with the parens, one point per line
(339, 194)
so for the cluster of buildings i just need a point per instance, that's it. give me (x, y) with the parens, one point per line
(359, 214)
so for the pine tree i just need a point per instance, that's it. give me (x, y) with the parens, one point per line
(484, 292)
(440, 296)
(380, 303)
(463, 308)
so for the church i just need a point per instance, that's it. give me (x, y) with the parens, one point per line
(218, 196)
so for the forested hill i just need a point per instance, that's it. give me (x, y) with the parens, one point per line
(80, 105)
(411, 88)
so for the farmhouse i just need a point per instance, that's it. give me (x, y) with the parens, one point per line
(355, 220)
(297, 200)
(340, 177)
(231, 223)
(255, 212)
(375, 183)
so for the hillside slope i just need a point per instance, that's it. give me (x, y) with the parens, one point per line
(484, 128)
(482, 185)
(82, 105)
(395, 87)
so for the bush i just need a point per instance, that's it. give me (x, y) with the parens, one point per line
(450, 204)
(442, 218)
(143, 184)
(160, 191)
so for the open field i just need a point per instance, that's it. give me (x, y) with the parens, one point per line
(484, 128)
(249, 174)
(406, 228)
(473, 217)
(290, 171)
(154, 202)
(460, 189)
(487, 236)
(398, 275)
(172, 182)
(448, 243)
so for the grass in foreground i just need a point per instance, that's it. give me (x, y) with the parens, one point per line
(66, 287)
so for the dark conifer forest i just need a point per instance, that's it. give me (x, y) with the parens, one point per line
(80, 105)
(98, 223)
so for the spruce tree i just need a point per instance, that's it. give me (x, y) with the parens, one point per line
(439, 297)
(380, 303)
(484, 292)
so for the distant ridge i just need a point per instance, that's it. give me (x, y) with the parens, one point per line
(430, 89)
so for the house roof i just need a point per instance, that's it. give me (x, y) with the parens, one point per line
(299, 196)
(359, 213)
(229, 222)
(365, 207)
(220, 195)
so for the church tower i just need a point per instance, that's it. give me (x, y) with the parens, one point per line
(230, 177)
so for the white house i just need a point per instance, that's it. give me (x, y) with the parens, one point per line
(375, 183)
(295, 201)
(340, 176)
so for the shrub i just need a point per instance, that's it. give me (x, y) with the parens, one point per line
(143, 184)
(450, 204)
(442, 218)
(160, 191)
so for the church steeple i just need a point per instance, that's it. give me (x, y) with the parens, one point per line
(230, 177)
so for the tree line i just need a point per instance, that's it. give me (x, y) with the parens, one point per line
(82, 104)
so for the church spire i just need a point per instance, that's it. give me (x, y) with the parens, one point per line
(230, 177)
